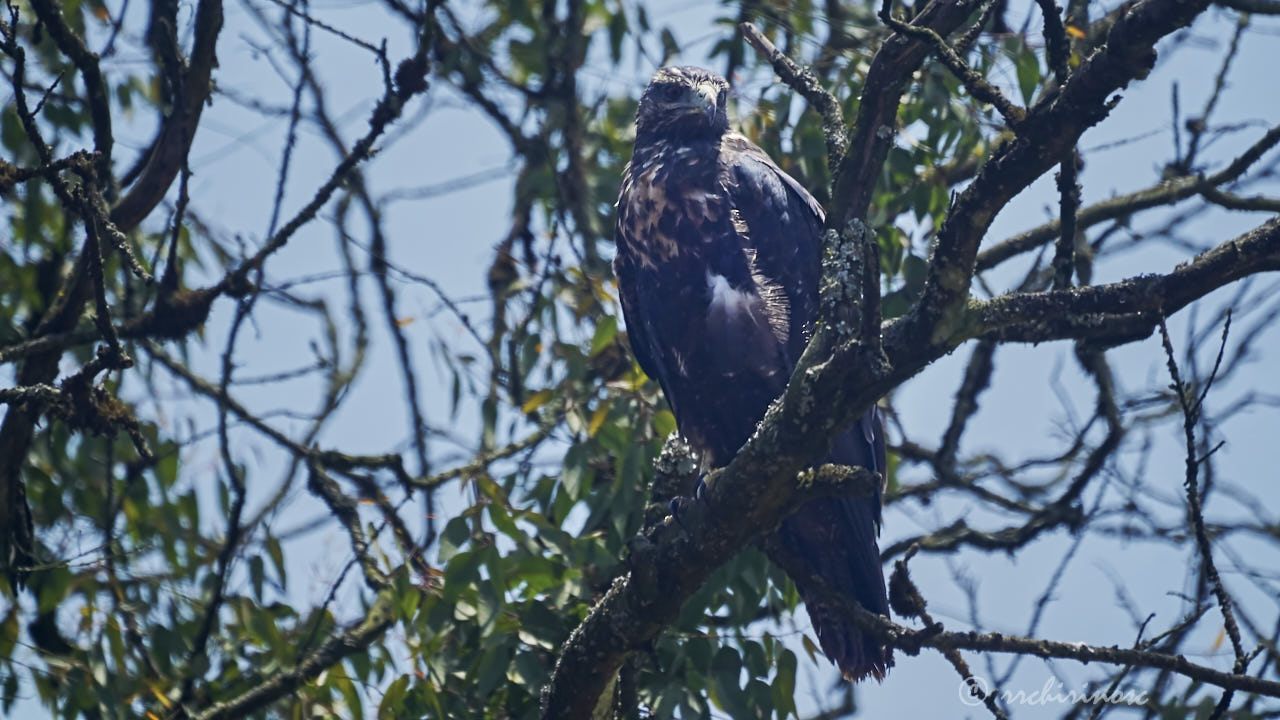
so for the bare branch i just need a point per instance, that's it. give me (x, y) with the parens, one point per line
(86, 61)
(168, 153)
(803, 81)
(911, 641)
(1164, 193)
(1190, 416)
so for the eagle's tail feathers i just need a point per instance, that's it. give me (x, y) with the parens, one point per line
(836, 538)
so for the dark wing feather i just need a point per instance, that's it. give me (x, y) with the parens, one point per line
(637, 334)
(783, 223)
(837, 536)
(654, 357)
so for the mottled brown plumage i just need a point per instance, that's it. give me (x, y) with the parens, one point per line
(717, 264)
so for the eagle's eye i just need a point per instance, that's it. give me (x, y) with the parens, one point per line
(671, 93)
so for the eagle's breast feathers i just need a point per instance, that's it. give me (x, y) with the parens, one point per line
(709, 304)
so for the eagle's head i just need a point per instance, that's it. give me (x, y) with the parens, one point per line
(683, 103)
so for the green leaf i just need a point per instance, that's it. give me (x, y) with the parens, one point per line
(256, 576)
(577, 472)
(664, 423)
(10, 690)
(456, 534)
(9, 633)
(1028, 67)
(57, 580)
(914, 272)
(727, 668)
(277, 557)
(606, 331)
(784, 684)
(351, 696)
(391, 700)
(670, 47)
(810, 649)
(617, 30)
(535, 401)
(502, 520)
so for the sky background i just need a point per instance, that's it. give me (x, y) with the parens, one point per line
(1038, 393)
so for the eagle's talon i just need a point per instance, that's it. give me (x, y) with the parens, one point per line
(685, 512)
(700, 493)
(674, 508)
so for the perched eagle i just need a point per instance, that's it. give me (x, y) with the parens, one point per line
(717, 264)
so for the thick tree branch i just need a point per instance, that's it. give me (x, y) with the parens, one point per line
(1081, 312)
(671, 564)
(168, 153)
(1052, 126)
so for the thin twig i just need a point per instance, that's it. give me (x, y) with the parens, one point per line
(973, 81)
(1190, 416)
(803, 81)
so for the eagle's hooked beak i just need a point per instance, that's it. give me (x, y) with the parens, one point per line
(710, 95)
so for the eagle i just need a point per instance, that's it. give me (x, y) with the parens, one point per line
(717, 264)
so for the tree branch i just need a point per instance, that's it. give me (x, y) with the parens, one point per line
(284, 682)
(86, 61)
(672, 563)
(1080, 312)
(1052, 126)
(169, 151)
(803, 81)
(1195, 509)
(912, 641)
(1164, 193)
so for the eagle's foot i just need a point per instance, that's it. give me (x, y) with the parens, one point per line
(682, 504)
